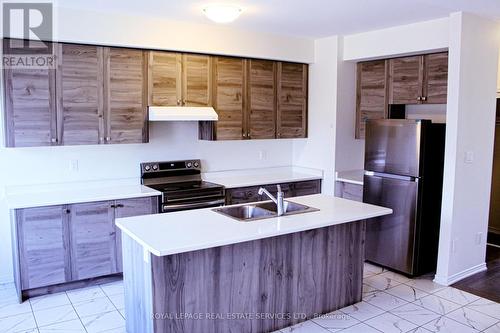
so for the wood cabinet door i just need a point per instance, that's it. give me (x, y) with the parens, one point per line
(436, 78)
(371, 93)
(93, 245)
(80, 94)
(292, 100)
(406, 76)
(125, 96)
(229, 89)
(196, 80)
(128, 208)
(164, 78)
(42, 235)
(261, 111)
(30, 107)
(306, 188)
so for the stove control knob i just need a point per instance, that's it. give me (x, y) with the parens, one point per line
(196, 164)
(189, 164)
(147, 167)
(155, 167)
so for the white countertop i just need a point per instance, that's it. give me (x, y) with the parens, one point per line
(262, 176)
(76, 192)
(171, 233)
(350, 176)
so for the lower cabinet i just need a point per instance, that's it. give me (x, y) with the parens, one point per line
(65, 243)
(349, 191)
(251, 194)
(42, 235)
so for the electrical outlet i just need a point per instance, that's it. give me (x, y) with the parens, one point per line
(479, 238)
(262, 155)
(73, 165)
(469, 156)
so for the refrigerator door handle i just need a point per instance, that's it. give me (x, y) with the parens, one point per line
(392, 176)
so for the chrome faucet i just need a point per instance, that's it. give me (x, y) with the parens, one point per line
(278, 200)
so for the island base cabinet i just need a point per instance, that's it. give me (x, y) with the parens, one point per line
(301, 274)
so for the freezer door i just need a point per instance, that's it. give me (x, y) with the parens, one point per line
(390, 239)
(393, 146)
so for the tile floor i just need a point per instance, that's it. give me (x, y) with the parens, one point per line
(391, 303)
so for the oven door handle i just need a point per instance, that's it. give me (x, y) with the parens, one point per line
(167, 208)
(215, 195)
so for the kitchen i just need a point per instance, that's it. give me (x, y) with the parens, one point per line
(327, 144)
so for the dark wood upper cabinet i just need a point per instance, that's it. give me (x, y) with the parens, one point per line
(30, 107)
(436, 78)
(419, 79)
(371, 93)
(261, 113)
(125, 96)
(292, 100)
(196, 80)
(228, 98)
(164, 77)
(406, 77)
(79, 94)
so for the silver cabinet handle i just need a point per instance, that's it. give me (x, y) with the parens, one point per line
(53, 140)
(178, 102)
(419, 98)
(108, 138)
(424, 98)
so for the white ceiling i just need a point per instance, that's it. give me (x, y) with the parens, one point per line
(308, 18)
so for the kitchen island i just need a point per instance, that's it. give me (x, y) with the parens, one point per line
(200, 271)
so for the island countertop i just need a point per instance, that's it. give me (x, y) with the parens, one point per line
(178, 232)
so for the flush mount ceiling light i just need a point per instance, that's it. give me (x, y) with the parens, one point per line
(222, 13)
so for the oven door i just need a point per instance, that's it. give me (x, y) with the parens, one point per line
(175, 207)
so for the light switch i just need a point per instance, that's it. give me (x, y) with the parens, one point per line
(469, 156)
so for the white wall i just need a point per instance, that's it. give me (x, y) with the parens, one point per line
(147, 32)
(401, 40)
(473, 68)
(349, 151)
(318, 151)
(168, 141)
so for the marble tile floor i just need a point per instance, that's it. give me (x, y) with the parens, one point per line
(391, 303)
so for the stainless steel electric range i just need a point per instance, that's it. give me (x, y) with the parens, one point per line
(181, 185)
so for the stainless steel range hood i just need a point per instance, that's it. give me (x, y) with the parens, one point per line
(182, 113)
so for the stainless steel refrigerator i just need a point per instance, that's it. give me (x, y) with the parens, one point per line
(404, 171)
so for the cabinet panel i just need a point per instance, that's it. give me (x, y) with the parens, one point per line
(350, 191)
(242, 195)
(128, 208)
(30, 106)
(164, 78)
(436, 78)
(371, 93)
(306, 188)
(93, 247)
(229, 82)
(42, 238)
(125, 89)
(405, 80)
(196, 80)
(261, 112)
(292, 100)
(80, 94)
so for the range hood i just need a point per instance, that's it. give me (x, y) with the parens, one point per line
(182, 113)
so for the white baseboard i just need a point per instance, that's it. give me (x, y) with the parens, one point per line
(449, 280)
(6, 279)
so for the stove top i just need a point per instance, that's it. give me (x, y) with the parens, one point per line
(185, 186)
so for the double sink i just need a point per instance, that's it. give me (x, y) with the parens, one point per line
(263, 210)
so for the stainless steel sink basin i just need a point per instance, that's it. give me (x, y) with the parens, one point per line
(288, 207)
(245, 213)
(257, 211)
